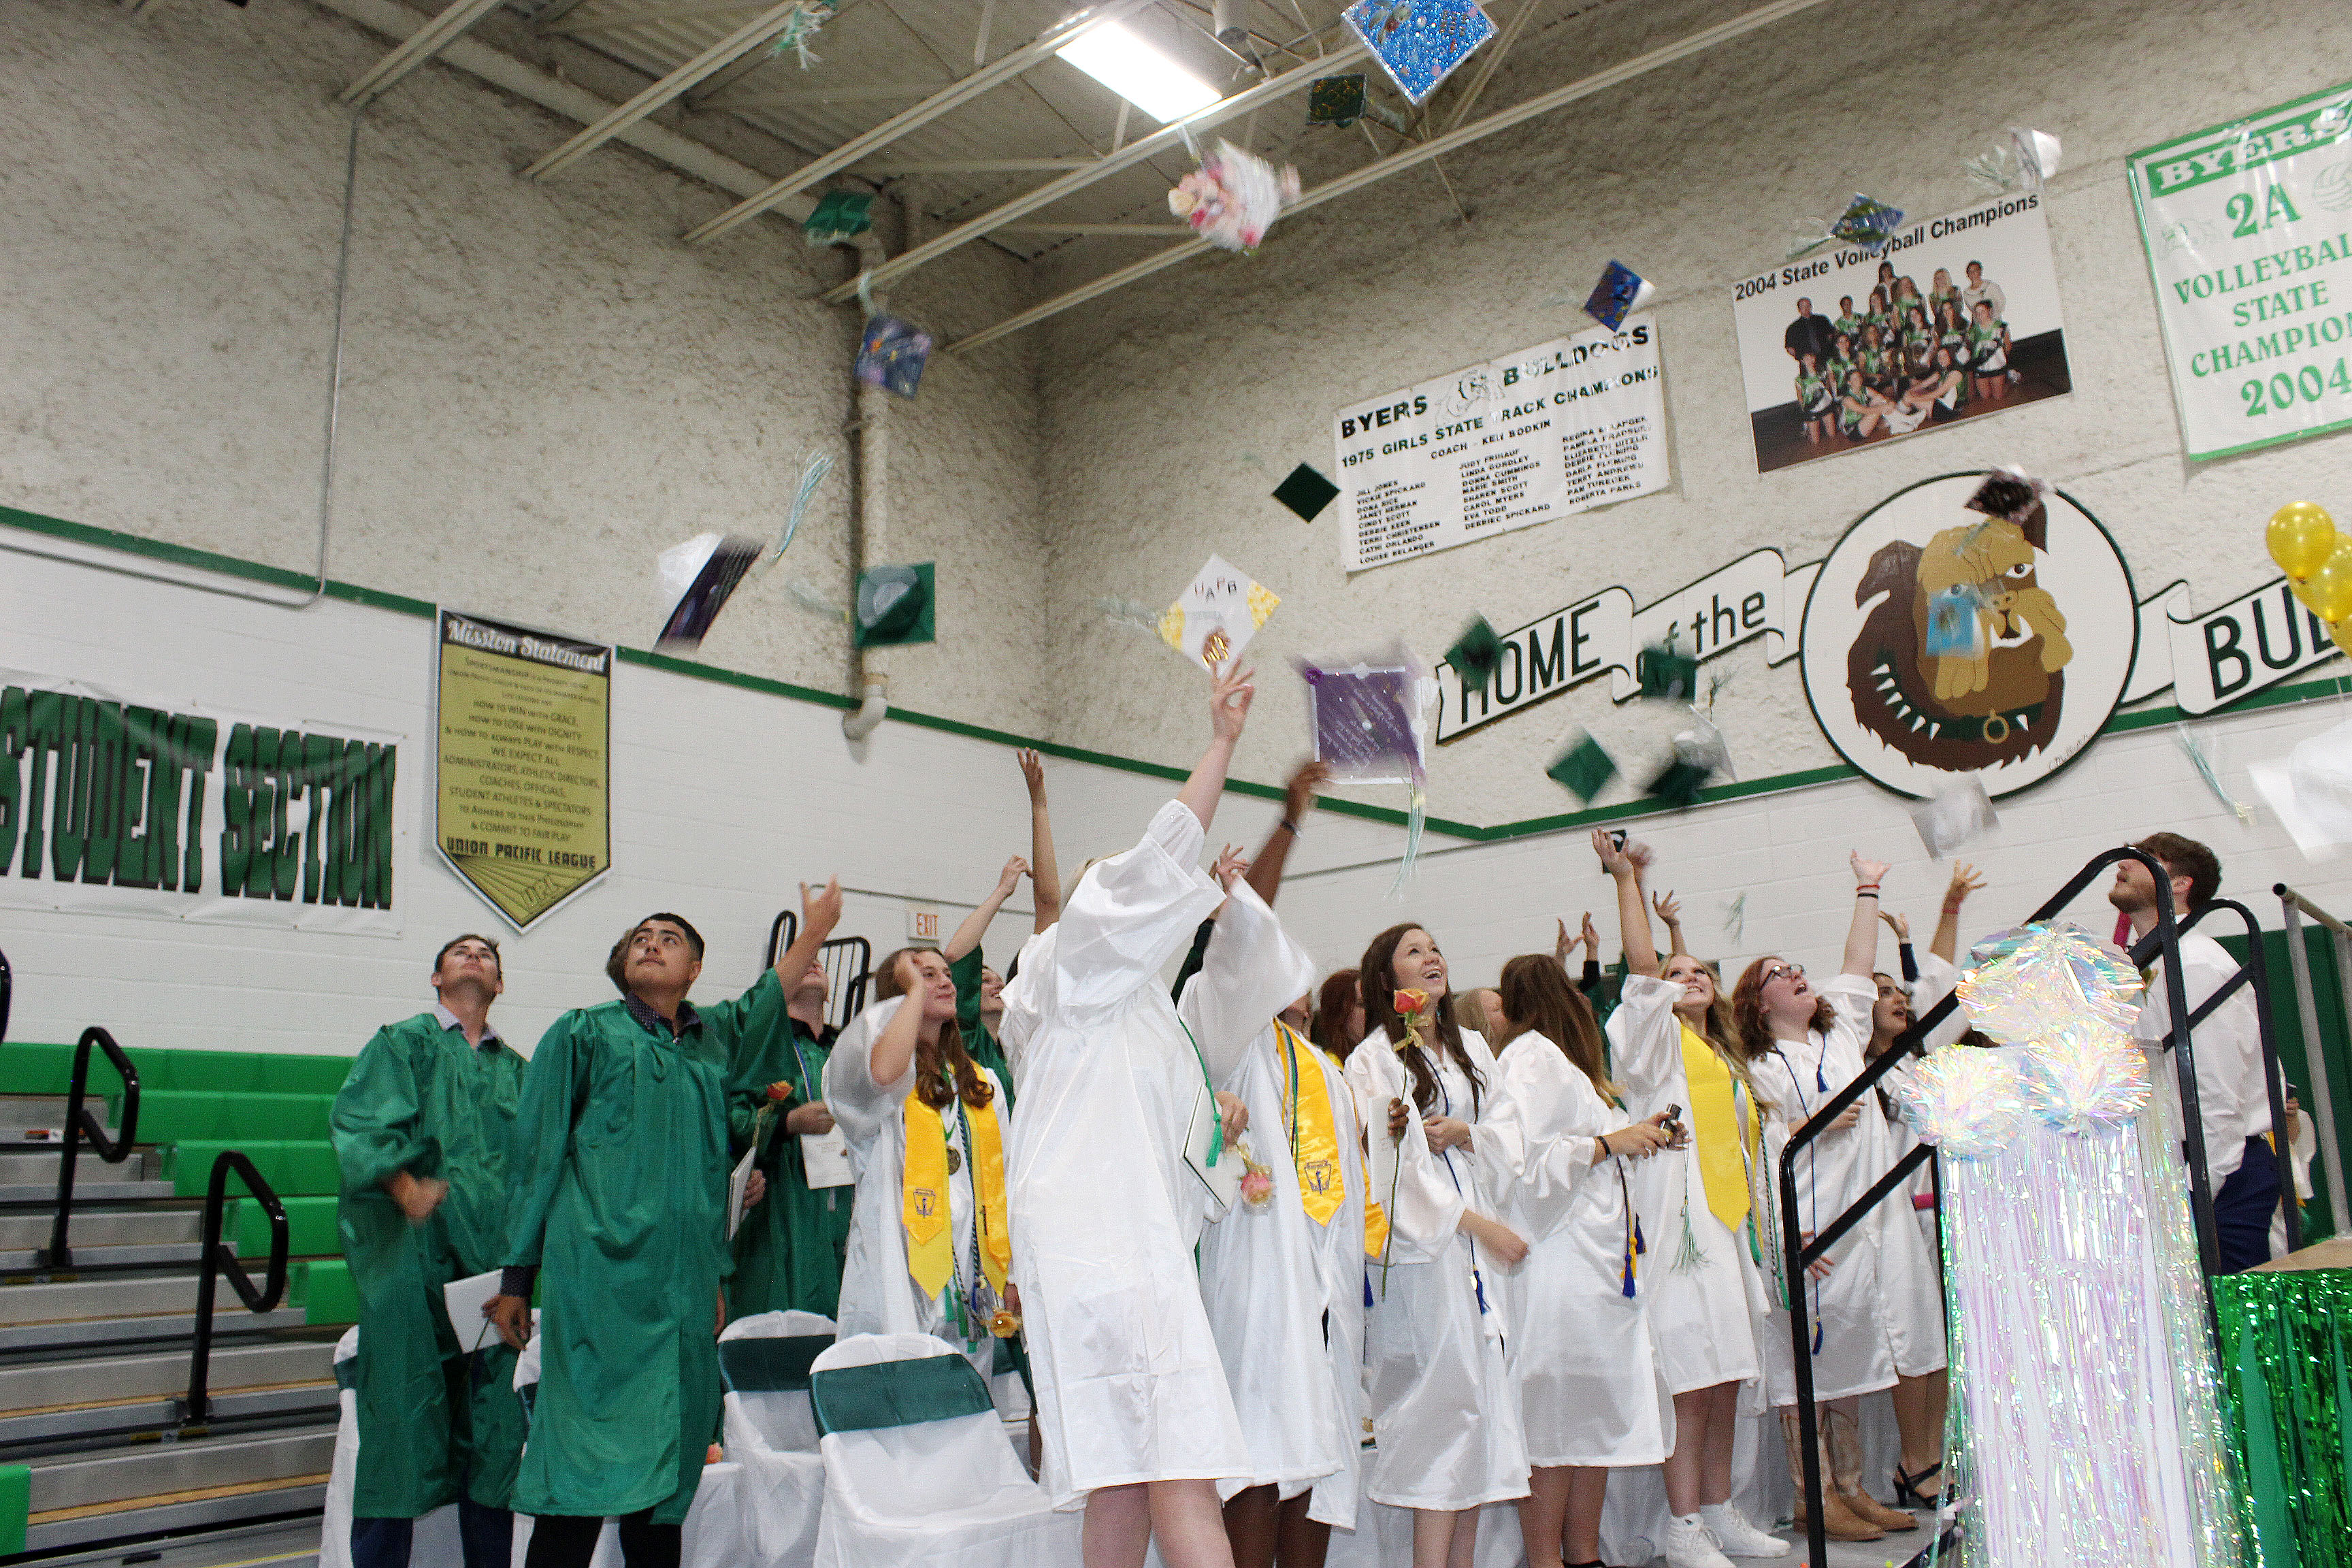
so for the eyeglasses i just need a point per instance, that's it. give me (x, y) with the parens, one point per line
(1784, 972)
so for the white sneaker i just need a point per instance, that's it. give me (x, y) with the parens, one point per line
(1737, 1538)
(1690, 1544)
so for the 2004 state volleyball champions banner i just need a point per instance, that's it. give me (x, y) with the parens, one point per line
(109, 804)
(1546, 433)
(2248, 234)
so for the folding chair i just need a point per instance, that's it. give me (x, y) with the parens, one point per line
(769, 1432)
(918, 1468)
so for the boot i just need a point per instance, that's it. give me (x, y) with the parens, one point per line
(1839, 1522)
(1846, 1454)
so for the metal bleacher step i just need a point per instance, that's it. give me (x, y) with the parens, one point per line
(144, 1489)
(106, 1237)
(29, 1176)
(121, 1309)
(37, 1120)
(47, 1401)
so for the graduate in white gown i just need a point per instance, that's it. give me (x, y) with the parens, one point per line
(1672, 1043)
(930, 1248)
(1137, 1420)
(1591, 1395)
(1804, 1045)
(1445, 1408)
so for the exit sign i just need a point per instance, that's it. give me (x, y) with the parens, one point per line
(922, 925)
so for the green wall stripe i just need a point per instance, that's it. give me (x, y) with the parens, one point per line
(1624, 811)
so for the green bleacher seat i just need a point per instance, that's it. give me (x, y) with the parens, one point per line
(291, 1169)
(323, 1287)
(171, 1115)
(38, 1068)
(29, 1069)
(309, 1227)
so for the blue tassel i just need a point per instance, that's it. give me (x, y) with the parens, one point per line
(1480, 1280)
(1368, 1288)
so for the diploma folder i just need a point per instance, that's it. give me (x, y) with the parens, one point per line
(1224, 1179)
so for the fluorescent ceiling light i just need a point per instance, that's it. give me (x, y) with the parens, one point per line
(1139, 72)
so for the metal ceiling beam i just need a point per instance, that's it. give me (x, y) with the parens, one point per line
(417, 48)
(615, 21)
(978, 166)
(700, 97)
(1491, 62)
(1095, 228)
(706, 99)
(1165, 138)
(750, 36)
(955, 96)
(1408, 156)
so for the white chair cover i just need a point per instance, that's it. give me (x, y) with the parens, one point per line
(945, 1492)
(436, 1542)
(771, 1437)
(608, 1539)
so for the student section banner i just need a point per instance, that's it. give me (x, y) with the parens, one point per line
(1546, 433)
(522, 782)
(114, 806)
(2248, 228)
(1897, 341)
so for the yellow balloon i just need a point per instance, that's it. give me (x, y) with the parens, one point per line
(2329, 590)
(2301, 535)
(2341, 631)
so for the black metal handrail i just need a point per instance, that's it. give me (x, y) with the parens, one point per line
(2255, 973)
(7, 993)
(845, 984)
(1801, 1254)
(784, 932)
(82, 1122)
(222, 1260)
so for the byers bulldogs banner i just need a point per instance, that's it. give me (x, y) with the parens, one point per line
(1546, 433)
(116, 806)
(2248, 234)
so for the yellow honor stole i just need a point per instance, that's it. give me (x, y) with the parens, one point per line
(1716, 1130)
(1313, 1140)
(923, 1189)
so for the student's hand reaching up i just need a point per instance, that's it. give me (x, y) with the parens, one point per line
(1229, 703)
(1232, 866)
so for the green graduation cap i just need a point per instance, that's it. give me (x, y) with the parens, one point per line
(1341, 100)
(1666, 673)
(839, 216)
(1679, 784)
(1584, 769)
(895, 606)
(1474, 654)
(1306, 492)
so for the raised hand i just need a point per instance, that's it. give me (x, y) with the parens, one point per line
(1231, 864)
(1590, 937)
(1668, 910)
(1965, 881)
(1896, 923)
(1306, 783)
(1613, 859)
(1564, 944)
(1640, 857)
(1867, 873)
(821, 910)
(1229, 703)
(1014, 870)
(1033, 771)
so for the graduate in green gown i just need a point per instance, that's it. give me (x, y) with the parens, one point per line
(622, 1142)
(421, 1129)
(791, 1249)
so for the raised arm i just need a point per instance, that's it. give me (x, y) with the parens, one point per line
(1633, 908)
(1229, 706)
(1671, 913)
(1947, 942)
(975, 924)
(1044, 874)
(820, 913)
(1297, 800)
(1862, 932)
(894, 1048)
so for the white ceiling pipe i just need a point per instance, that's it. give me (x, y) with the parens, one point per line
(416, 49)
(1161, 141)
(701, 95)
(615, 21)
(1408, 156)
(950, 97)
(750, 35)
(979, 166)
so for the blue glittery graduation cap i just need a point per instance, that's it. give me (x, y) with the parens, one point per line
(1867, 221)
(892, 354)
(1417, 42)
(1621, 291)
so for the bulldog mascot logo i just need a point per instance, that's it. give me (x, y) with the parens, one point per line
(1962, 662)
(1971, 623)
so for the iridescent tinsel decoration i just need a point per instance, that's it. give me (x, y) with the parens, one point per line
(2086, 1080)
(2024, 984)
(1964, 1100)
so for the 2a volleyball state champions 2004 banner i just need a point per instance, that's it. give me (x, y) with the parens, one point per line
(2248, 234)
(109, 804)
(1952, 318)
(1546, 433)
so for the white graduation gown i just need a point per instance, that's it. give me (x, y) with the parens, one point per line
(1792, 1080)
(1445, 1405)
(1706, 1311)
(1286, 1294)
(1590, 1389)
(1910, 1286)
(878, 1295)
(1129, 1386)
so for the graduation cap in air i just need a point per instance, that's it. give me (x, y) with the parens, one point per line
(1620, 293)
(895, 606)
(709, 567)
(1867, 221)
(892, 353)
(1665, 672)
(1474, 654)
(1418, 42)
(1582, 770)
(1306, 492)
(1341, 100)
(1677, 783)
(839, 216)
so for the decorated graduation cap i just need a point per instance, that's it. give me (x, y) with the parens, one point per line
(1418, 42)
(892, 353)
(703, 571)
(2311, 790)
(1665, 672)
(1341, 100)
(1368, 715)
(1215, 616)
(839, 216)
(1620, 293)
(1306, 491)
(1866, 222)
(1958, 812)
(1234, 197)
(895, 604)
(2029, 159)
(1474, 654)
(1582, 770)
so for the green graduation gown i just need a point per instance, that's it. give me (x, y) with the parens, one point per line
(434, 1415)
(978, 1043)
(621, 1134)
(792, 1246)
